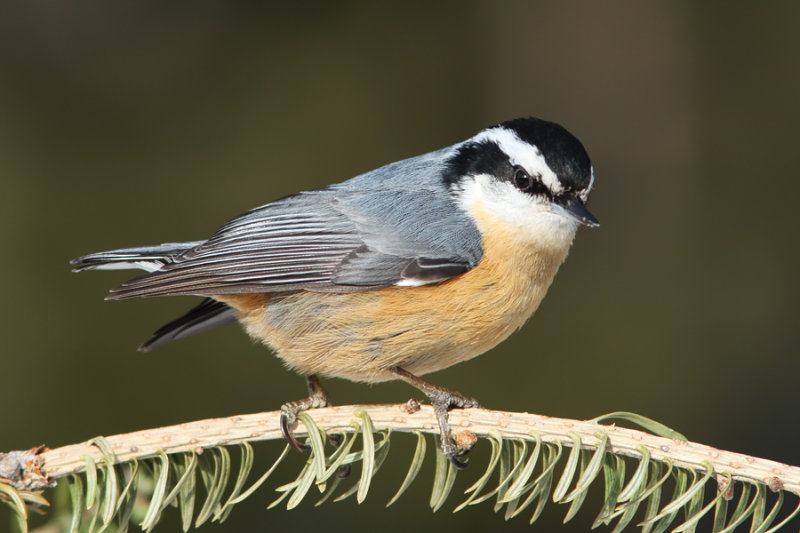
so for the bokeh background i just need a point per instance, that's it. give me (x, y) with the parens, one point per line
(132, 123)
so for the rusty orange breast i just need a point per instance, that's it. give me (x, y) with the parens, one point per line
(359, 336)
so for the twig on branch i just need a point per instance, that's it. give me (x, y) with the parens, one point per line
(52, 464)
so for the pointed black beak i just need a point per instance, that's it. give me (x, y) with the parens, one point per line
(573, 205)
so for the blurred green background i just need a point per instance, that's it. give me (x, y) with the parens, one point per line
(133, 123)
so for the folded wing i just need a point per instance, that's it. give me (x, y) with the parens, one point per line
(334, 240)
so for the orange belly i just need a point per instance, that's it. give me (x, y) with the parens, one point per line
(359, 336)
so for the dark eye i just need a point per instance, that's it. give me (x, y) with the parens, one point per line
(522, 179)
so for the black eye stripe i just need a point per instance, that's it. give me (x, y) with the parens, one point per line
(564, 153)
(475, 158)
(529, 184)
(486, 157)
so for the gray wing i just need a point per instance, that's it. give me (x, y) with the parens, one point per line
(333, 239)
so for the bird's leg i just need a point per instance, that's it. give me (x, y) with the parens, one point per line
(442, 400)
(317, 397)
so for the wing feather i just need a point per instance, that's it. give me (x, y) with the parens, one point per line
(209, 314)
(332, 239)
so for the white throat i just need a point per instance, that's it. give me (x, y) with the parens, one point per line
(528, 218)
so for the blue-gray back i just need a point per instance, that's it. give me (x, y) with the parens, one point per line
(394, 225)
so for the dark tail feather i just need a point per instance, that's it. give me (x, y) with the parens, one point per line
(209, 314)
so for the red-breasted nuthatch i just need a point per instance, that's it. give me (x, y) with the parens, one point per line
(402, 271)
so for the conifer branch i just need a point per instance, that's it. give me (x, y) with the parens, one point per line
(182, 464)
(199, 435)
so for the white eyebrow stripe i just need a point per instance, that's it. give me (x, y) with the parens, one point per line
(523, 154)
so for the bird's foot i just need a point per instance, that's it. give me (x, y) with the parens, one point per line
(442, 401)
(317, 397)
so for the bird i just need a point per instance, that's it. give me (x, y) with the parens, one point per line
(393, 274)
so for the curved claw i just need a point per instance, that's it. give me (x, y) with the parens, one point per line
(452, 453)
(287, 434)
(442, 401)
(317, 397)
(336, 440)
(460, 465)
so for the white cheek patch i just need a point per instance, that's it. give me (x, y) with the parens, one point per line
(531, 218)
(523, 154)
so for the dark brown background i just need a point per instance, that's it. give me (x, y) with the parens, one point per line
(128, 123)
